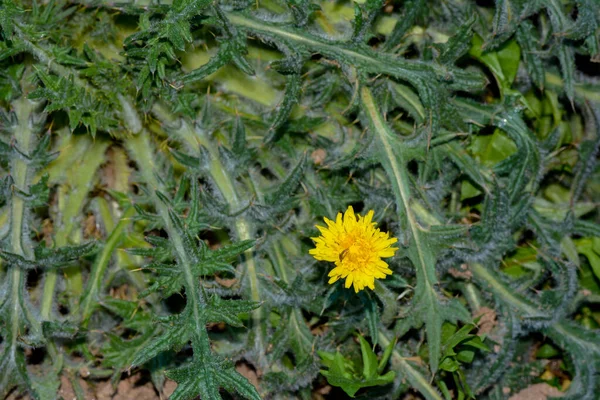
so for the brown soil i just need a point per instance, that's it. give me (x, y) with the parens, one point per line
(462, 272)
(488, 321)
(132, 387)
(539, 391)
(248, 372)
(318, 156)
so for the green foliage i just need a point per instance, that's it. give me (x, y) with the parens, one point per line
(16, 310)
(346, 374)
(163, 166)
(459, 347)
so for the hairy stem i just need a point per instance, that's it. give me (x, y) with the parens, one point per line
(143, 153)
(419, 251)
(21, 172)
(506, 294)
(226, 186)
(396, 168)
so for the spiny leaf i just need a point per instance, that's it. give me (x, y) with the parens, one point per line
(288, 186)
(364, 15)
(175, 335)
(531, 53)
(228, 311)
(121, 354)
(194, 249)
(302, 10)
(62, 255)
(204, 377)
(588, 150)
(291, 97)
(230, 252)
(412, 10)
(458, 44)
(13, 371)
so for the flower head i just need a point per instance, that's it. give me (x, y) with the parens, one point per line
(356, 247)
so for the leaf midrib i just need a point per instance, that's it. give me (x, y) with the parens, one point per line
(382, 134)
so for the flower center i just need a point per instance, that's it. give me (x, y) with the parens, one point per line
(355, 253)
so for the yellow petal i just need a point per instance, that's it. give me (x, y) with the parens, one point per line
(369, 217)
(349, 280)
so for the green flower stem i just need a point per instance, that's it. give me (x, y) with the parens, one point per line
(226, 186)
(143, 153)
(94, 283)
(416, 379)
(21, 173)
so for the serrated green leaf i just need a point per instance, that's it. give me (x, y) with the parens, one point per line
(173, 336)
(369, 359)
(228, 311)
(215, 373)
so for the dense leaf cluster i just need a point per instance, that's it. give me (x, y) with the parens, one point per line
(163, 166)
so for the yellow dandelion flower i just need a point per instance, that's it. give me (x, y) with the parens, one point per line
(356, 247)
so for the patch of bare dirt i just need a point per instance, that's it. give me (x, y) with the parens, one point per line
(131, 388)
(91, 228)
(67, 391)
(539, 391)
(104, 391)
(216, 326)
(462, 272)
(47, 232)
(248, 372)
(122, 292)
(226, 282)
(319, 394)
(318, 156)
(168, 389)
(319, 330)
(488, 321)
